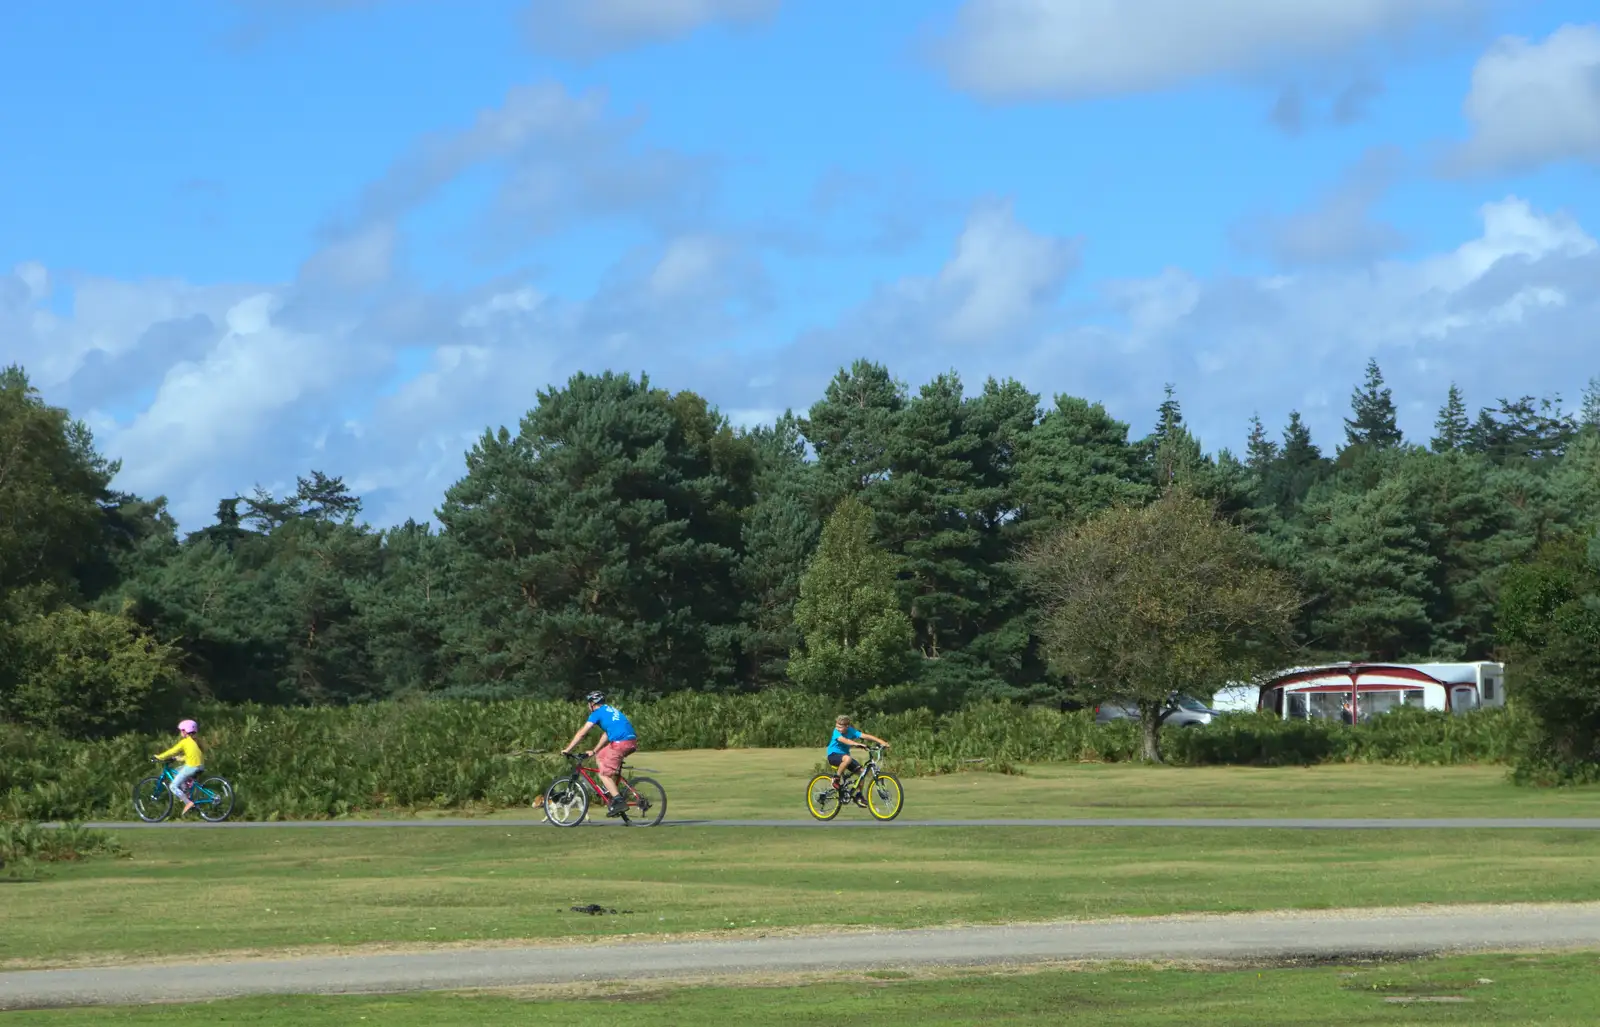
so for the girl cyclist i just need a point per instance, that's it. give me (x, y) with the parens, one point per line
(193, 762)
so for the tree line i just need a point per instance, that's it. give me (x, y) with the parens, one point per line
(629, 538)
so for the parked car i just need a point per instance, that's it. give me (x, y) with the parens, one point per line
(1184, 711)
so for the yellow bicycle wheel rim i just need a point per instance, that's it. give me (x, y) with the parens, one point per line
(811, 798)
(884, 797)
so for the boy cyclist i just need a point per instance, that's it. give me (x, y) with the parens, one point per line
(617, 739)
(193, 762)
(846, 736)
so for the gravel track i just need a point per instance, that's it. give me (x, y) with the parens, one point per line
(1262, 936)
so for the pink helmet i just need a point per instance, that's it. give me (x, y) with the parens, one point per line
(187, 727)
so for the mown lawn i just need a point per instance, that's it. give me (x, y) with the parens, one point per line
(770, 784)
(203, 891)
(1550, 990)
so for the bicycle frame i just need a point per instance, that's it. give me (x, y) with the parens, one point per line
(587, 775)
(869, 768)
(197, 795)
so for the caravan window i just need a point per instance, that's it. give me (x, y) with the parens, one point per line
(1375, 703)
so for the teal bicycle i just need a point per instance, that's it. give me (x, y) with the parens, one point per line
(152, 797)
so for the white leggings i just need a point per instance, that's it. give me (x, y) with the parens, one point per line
(183, 776)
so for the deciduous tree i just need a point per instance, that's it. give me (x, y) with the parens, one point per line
(1139, 603)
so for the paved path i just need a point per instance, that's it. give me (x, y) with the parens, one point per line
(1339, 934)
(1296, 823)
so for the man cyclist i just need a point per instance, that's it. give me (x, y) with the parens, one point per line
(617, 740)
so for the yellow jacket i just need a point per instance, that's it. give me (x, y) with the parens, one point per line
(189, 748)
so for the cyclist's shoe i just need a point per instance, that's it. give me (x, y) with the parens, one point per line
(617, 807)
(860, 800)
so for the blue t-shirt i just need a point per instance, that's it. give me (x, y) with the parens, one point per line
(617, 727)
(837, 742)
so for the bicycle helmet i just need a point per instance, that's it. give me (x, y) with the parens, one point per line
(187, 727)
(595, 698)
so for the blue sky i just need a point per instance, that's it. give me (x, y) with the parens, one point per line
(244, 239)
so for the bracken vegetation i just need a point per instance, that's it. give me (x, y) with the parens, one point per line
(24, 846)
(444, 754)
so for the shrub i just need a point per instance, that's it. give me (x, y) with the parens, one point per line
(85, 673)
(1408, 736)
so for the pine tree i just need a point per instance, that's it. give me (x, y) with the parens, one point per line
(851, 426)
(1298, 466)
(1373, 422)
(1523, 430)
(779, 536)
(599, 547)
(1173, 455)
(1169, 415)
(1076, 462)
(1368, 566)
(1589, 413)
(1261, 450)
(1451, 429)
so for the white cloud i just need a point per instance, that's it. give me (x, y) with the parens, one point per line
(1071, 49)
(593, 28)
(1001, 275)
(1504, 313)
(238, 397)
(260, 388)
(1000, 283)
(1534, 103)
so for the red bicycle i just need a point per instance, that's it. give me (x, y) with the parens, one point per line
(566, 801)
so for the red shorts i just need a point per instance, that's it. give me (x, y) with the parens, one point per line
(609, 759)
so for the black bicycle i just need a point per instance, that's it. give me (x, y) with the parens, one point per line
(827, 794)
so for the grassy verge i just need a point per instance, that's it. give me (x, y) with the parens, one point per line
(1551, 990)
(203, 892)
(770, 784)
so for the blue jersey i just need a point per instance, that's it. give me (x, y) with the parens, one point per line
(617, 727)
(839, 742)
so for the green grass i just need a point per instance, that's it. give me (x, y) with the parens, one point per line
(1551, 990)
(198, 892)
(770, 784)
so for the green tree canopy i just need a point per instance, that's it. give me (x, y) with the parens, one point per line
(1372, 423)
(855, 636)
(1140, 602)
(1550, 623)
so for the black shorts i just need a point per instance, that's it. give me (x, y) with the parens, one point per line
(835, 757)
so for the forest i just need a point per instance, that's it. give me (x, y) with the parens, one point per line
(628, 538)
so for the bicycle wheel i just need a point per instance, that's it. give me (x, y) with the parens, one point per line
(566, 802)
(884, 797)
(213, 797)
(152, 801)
(647, 802)
(822, 798)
